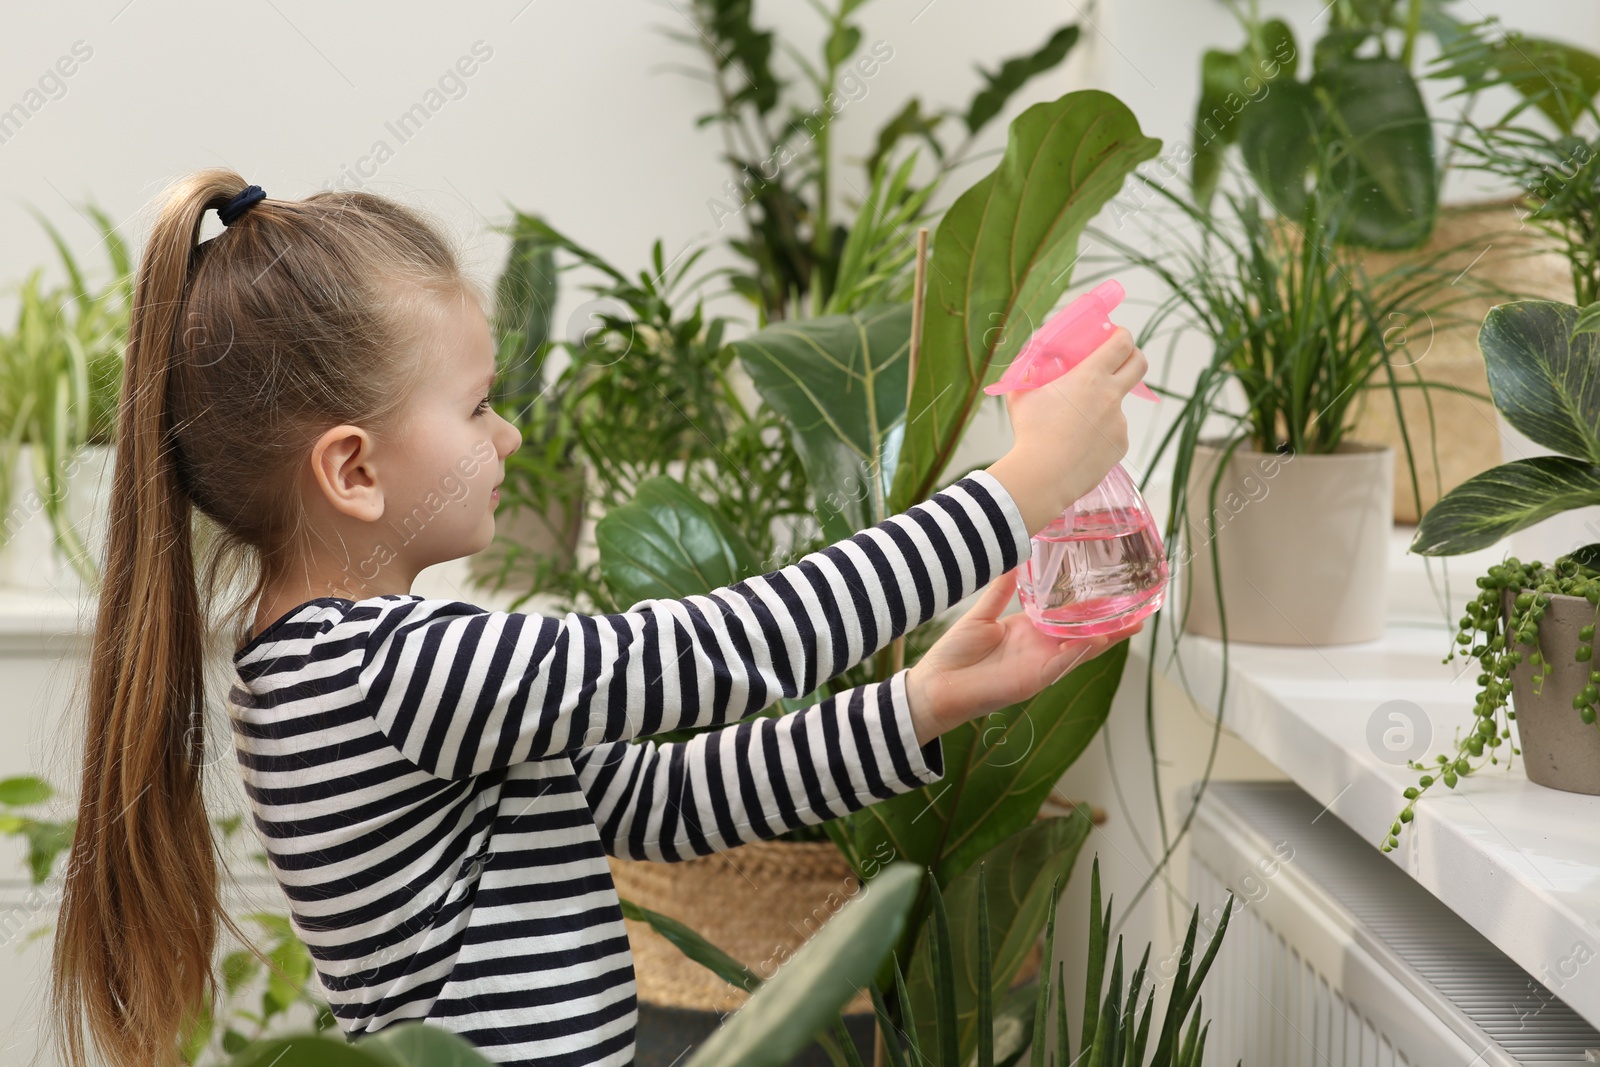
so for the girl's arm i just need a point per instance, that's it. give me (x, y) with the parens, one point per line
(757, 778)
(461, 690)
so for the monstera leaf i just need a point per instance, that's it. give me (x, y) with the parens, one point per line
(1019, 873)
(1002, 257)
(668, 543)
(839, 381)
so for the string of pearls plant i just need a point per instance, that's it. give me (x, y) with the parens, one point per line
(1497, 643)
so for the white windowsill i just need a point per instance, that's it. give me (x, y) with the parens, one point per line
(1517, 860)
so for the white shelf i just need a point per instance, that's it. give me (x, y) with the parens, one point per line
(1518, 861)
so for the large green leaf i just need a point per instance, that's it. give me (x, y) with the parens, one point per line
(840, 383)
(806, 993)
(1002, 257)
(668, 543)
(1545, 381)
(1230, 83)
(1499, 502)
(1372, 108)
(1376, 105)
(998, 771)
(1018, 873)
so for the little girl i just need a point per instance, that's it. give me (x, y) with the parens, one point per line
(436, 785)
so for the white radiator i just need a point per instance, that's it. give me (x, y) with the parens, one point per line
(1335, 957)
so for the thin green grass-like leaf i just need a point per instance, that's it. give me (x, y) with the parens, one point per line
(1041, 1004)
(985, 977)
(1096, 961)
(944, 981)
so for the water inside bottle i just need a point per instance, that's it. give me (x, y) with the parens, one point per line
(1098, 567)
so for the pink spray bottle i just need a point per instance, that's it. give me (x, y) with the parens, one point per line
(1100, 565)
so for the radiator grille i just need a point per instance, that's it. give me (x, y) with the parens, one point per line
(1337, 958)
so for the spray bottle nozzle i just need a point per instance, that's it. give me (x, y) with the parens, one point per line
(1064, 341)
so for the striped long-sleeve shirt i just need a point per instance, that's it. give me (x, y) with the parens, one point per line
(437, 785)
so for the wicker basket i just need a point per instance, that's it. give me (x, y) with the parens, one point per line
(758, 902)
(1497, 248)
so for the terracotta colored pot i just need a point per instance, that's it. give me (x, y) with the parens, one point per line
(1302, 544)
(1559, 750)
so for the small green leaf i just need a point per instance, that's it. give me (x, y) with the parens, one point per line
(24, 791)
(1588, 320)
(1014, 73)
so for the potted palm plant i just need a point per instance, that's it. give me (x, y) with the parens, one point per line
(1292, 525)
(1362, 90)
(60, 374)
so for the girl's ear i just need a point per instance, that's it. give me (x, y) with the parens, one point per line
(342, 467)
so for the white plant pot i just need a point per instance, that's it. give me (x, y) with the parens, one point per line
(30, 559)
(1303, 545)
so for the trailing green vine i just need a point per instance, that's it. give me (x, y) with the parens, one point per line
(1496, 641)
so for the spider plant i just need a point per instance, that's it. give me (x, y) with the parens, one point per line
(60, 374)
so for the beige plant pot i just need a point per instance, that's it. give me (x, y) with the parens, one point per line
(1559, 750)
(1497, 247)
(1302, 543)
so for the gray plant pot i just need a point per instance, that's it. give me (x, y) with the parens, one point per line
(1302, 543)
(1559, 750)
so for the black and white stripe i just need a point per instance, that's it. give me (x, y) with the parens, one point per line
(437, 785)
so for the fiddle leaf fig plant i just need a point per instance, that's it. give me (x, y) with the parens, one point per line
(1541, 374)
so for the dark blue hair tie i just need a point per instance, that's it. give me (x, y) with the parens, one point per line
(230, 212)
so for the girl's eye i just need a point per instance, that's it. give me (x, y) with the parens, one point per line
(483, 407)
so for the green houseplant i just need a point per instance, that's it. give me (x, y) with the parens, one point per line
(60, 373)
(1530, 620)
(829, 480)
(793, 1007)
(1090, 142)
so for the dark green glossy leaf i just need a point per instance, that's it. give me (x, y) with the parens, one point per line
(1543, 378)
(1499, 502)
(1020, 875)
(1002, 256)
(807, 992)
(1384, 160)
(668, 543)
(840, 383)
(998, 771)
(1376, 105)
(1014, 73)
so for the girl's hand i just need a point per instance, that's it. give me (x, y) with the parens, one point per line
(984, 663)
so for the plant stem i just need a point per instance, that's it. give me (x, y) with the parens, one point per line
(918, 300)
